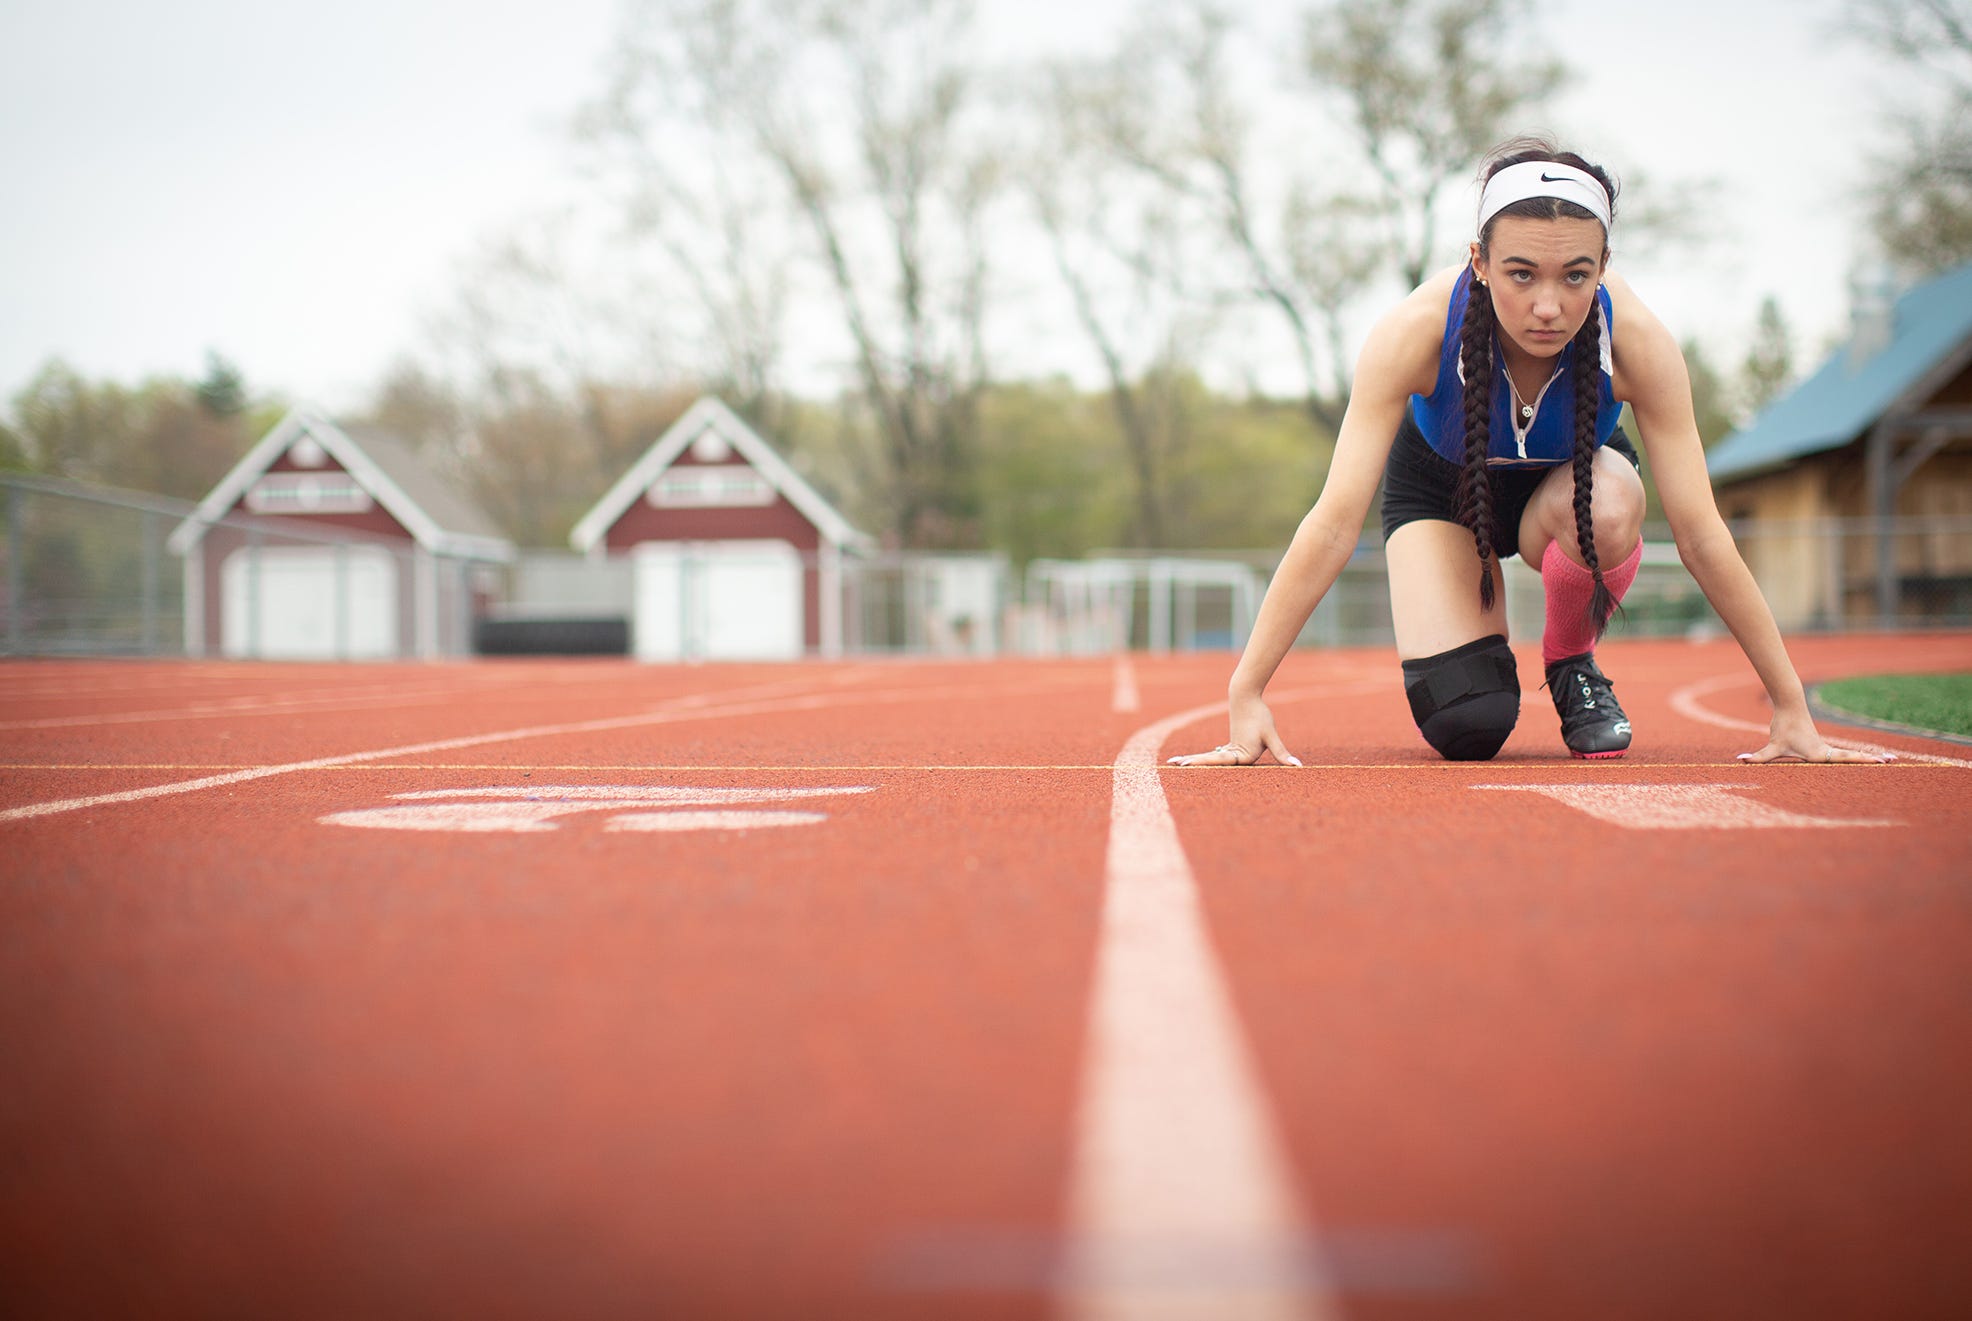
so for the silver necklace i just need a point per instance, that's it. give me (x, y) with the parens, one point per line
(1526, 409)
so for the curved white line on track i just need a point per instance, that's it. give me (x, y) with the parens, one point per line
(1180, 1203)
(1685, 701)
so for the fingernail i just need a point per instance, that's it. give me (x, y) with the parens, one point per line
(1293, 761)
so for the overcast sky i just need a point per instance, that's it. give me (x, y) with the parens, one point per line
(298, 187)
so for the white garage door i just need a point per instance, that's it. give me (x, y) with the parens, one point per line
(309, 603)
(732, 600)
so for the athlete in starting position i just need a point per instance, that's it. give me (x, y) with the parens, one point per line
(1487, 403)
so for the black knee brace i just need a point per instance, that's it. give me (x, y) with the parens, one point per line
(1465, 700)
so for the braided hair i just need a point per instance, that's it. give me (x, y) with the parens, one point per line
(1477, 334)
(1588, 397)
(1475, 484)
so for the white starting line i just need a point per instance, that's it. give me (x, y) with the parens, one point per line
(1681, 807)
(528, 811)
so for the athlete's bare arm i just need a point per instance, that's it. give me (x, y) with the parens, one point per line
(1650, 376)
(1399, 359)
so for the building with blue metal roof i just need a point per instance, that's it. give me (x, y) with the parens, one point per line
(1881, 431)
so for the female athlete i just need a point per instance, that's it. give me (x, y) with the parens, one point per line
(1487, 403)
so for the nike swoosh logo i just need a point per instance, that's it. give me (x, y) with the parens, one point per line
(1549, 178)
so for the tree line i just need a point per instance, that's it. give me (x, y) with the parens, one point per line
(857, 174)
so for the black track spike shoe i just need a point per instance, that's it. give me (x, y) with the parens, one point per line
(1592, 724)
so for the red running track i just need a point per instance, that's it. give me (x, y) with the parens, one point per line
(990, 1018)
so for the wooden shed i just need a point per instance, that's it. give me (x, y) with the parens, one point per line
(733, 554)
(331, 542)
(1855, 487)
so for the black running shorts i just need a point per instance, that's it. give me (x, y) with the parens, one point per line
(1418, 482)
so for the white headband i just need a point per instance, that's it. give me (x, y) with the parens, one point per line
(1517, 183)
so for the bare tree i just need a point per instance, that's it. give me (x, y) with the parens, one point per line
(548, 376)
(859, 115)
(1420, 89)
(710, 214)
(1170, 114)
(1426, 87)
(1123, 254)
(1920, 193)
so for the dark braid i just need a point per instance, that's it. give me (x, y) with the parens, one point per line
(1475, 487)
(1475, 356)
(1588, 400)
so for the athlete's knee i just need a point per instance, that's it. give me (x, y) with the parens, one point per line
(1616, 508)
(1465, 700)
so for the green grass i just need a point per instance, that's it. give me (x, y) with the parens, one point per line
(1928, 701)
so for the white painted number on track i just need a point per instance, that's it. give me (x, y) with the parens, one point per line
(1680, 807)
(520, 811)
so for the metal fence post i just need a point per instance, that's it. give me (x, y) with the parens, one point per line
(253, 593)
(149, 574)
(340, 624)
(16, 570)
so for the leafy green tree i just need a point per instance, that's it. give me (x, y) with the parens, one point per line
(222, 391)
(1769, 366)
(1258, 466)
(418, 408)
(1052, 475)
(160, 436)
(182, 448)
(1711, 397)
(70, 427)
(13, 451)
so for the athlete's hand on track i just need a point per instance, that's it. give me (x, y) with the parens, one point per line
(1796, 737)
(1253, 732)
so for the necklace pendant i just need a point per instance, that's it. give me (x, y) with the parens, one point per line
(1526, 410)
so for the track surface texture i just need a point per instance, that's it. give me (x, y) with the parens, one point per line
(885, 990)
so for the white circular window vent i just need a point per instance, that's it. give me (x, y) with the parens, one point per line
(711, 447)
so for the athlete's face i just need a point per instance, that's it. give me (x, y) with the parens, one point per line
(1543, 275)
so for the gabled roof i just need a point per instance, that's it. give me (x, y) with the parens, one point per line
(1930, 338)
(438, 516)
(709, 413)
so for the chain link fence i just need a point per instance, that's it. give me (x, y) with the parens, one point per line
(109, 573)
(93, 572)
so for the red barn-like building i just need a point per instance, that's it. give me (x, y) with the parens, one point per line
(333, 543)
(733, 554)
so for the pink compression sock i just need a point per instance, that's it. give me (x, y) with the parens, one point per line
(1569, 587)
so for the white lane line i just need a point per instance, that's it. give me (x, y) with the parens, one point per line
(234, 708)
(697, 706)
(1180, 1201)
(1681, 807)
(357, 698)
(1123, 687)
(1685, 701)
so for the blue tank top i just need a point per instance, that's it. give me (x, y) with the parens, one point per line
(1550, 437)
